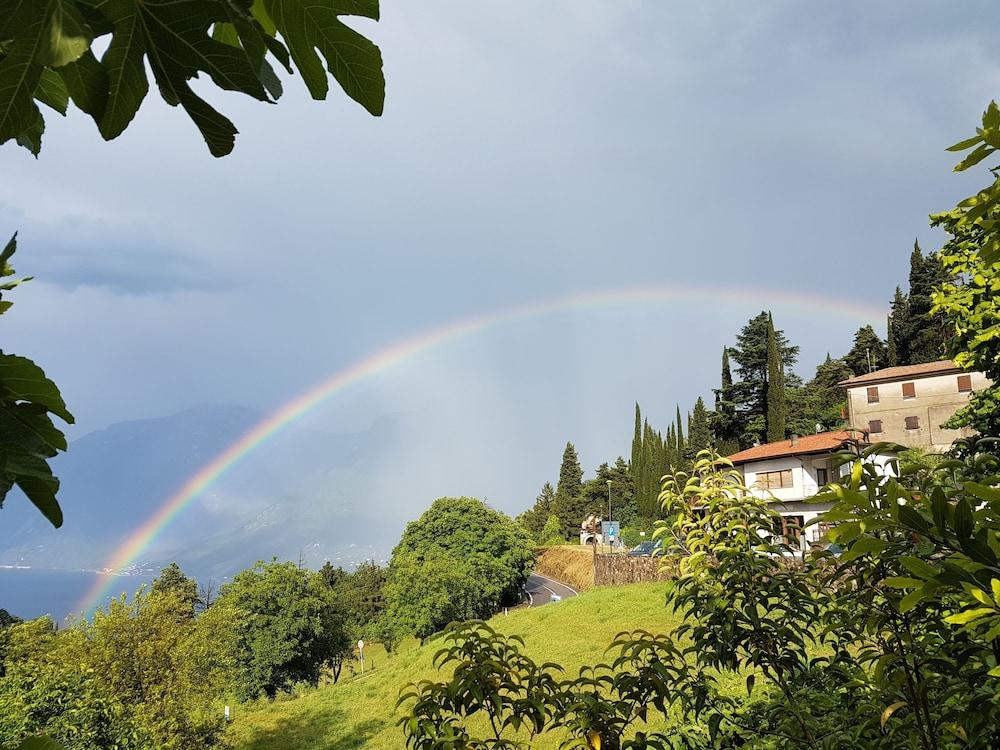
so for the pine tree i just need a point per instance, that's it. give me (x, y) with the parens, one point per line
(775, 387)
(751, 357)
(566, 503)
(869, 352)
(699, 434)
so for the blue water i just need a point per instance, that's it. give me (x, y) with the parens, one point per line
(34, 593)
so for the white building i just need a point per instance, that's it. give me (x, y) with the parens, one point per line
(790, 471)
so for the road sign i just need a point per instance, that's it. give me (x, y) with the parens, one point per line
(611, 530)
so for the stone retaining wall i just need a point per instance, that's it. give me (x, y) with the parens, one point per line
(619, 570)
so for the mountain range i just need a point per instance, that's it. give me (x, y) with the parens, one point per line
(303, 494)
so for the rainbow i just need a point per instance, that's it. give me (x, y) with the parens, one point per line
(141, 538)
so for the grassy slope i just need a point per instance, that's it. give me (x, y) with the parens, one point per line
(360, 713)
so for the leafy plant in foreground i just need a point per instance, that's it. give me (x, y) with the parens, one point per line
(28, 400)
(47, 56)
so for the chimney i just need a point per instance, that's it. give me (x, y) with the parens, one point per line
(795, 439)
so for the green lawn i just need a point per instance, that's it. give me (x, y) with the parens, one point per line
(360, 713)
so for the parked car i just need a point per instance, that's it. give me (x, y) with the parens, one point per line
(646, 549)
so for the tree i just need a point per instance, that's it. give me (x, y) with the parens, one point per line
(775, 389)
(750, 355)
(567, 503)
(28, 401)
(460, 560)
(699, 436)
(899, 330)
(725, 423)
(819, 404)
(173, 580)
(48, 57)
(967, 299)
(678, 442)
(927, 332)
(287, 626)
(868, 353)
(537, 515)
(552, 532)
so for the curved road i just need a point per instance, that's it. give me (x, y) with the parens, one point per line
(541, 589)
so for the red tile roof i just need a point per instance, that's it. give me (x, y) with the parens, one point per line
(888, 374)
(821, 442)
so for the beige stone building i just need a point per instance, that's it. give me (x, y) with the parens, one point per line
(908, 404)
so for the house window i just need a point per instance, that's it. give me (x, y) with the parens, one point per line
(964, 383)
(775, 480)
(873, 395)
(875, 426)
(913, 423)
(909, 390)
(822, 477)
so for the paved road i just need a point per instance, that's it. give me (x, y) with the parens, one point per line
(540, 589)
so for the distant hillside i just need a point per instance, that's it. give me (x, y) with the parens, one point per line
(360, 712)
(302, 493)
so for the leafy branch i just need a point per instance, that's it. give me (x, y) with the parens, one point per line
(47, 56)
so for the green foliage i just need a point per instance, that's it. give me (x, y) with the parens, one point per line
(868, 353)
(138, 676)
(492, 678)
(968, 298)
(536, 517)
(594, 495)
(927, 329)
(699, 434)
(287, 627)
(725, 424)
(460, 560)
(751, 357)
(28, 400)
(775, 387)
(173, 580)
(569, 504)
(47, 55)
(552, 532)
(821, 401)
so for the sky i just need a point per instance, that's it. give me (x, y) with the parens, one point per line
(780, 149)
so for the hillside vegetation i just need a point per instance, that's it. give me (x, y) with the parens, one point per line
(573, 565)
(361, 712)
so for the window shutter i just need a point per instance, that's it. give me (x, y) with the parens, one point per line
(964, 383)
(913, 423)
(909, 390)
(873, 395)
(875, 426)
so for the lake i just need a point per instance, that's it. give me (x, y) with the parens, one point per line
(30, 593)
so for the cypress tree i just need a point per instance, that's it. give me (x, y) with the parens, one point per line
(635, 468)
(566, 504)
(928, 331)
(680, 433)
(724, 421)
(891, 355)
(699, 435)
(775, 388)
(899, 320)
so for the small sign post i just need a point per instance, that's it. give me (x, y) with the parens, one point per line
(361, 655)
